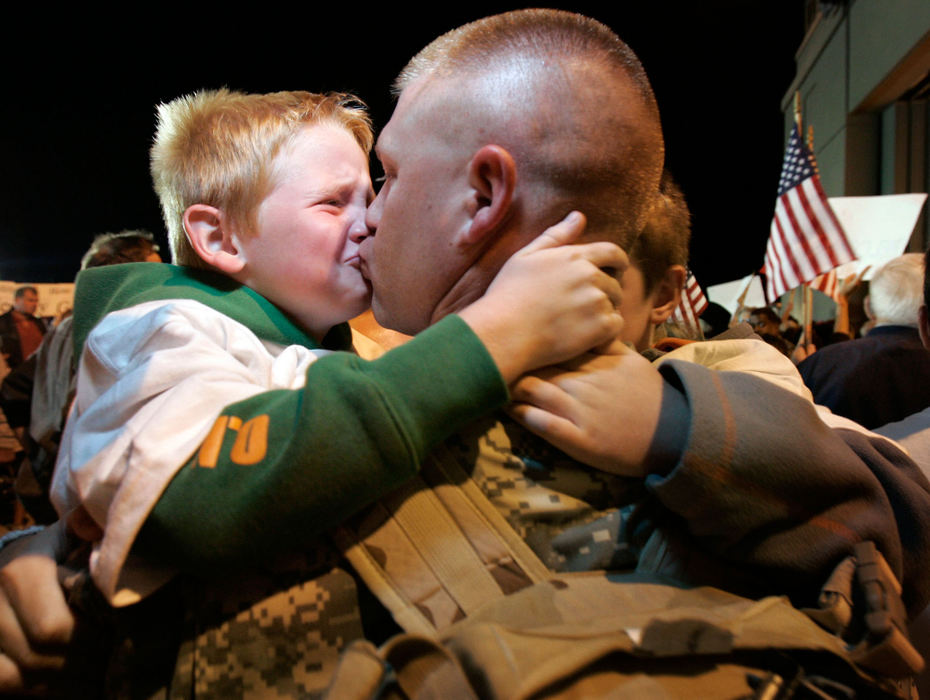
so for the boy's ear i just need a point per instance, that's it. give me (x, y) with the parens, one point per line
(492, 176)
(667, 294)
(211, 237)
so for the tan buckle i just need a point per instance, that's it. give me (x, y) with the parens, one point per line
(885, 647)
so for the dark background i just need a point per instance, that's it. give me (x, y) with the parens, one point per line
(78, 112)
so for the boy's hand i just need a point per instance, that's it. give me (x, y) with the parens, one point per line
(36, 623)
(601, 409)
(551, 301)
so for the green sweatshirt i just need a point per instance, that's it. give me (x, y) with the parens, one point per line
(282, 466)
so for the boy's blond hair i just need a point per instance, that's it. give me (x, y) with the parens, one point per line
(218, 147)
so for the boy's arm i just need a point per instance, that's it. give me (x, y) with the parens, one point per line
(348, 431)
(278, 467)
(282, 466)
(757, 478)
(579, 284)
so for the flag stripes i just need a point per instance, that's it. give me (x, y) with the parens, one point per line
(693, 303)
(805, 239)
(826, 283)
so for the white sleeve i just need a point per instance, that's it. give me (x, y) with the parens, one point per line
(151, 382)
(749, 355)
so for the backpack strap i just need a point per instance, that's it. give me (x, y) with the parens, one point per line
(437, 549)
(464, 497)
(861, 603)
(885, 646)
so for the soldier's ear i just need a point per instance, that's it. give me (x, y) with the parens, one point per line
(213, 238)
(492, 179)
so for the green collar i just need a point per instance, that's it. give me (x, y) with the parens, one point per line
(102, 290)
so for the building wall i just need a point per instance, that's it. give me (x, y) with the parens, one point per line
(881, 33)
(854, 66)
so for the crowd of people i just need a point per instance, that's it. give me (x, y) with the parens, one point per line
(262, 490)
(872, 372)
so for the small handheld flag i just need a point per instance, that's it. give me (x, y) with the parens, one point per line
(806, 239)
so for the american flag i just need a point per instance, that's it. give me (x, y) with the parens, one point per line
(693, 303)
(806, 240)
(826, 283)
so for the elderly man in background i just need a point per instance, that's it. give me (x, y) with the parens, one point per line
(883, 376)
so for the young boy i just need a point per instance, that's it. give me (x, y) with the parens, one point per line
(652, 288)
(218, 372)
(652, 283)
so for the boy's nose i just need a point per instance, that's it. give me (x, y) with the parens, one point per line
(359, 229)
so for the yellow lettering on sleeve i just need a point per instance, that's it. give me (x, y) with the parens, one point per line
(252, 442)
(210, 449)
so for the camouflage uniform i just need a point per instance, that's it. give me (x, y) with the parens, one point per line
(277, 632)
(575, 519)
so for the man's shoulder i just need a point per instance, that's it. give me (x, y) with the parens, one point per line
(881, 340)
(8, 323)
(834, 354)
(893, 337)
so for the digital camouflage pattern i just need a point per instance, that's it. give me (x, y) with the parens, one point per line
(285, 645)
(281, 630)
(571, 515)
(280, 633)
(271, 633)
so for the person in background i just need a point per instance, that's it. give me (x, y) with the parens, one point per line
(444, 162)
(44, 384)
(883, 376)
(20, 330)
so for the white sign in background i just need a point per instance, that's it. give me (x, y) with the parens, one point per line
(878, 228)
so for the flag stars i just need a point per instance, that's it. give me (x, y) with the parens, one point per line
(806, 239)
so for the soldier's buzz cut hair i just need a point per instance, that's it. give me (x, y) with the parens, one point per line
(589, 117)
(217, 147)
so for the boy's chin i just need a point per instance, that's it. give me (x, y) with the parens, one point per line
(357, 309)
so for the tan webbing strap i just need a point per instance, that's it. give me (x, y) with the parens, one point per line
(420, 548)
(425, 551)
(444, 548)
(392, 595)
(359, 674)
(886, 647)
(426, 670)
(453, 485)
